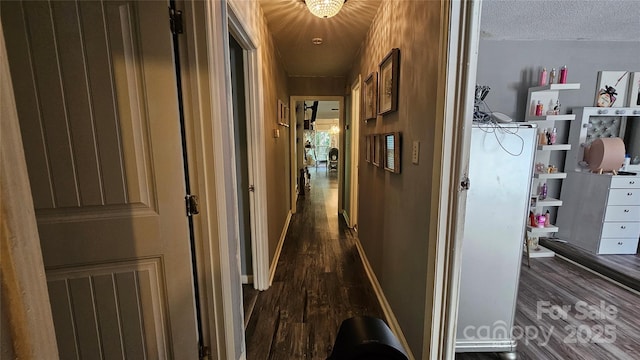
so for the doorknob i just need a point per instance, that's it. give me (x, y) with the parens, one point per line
(252, 188)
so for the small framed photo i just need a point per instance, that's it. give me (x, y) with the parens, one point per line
(611, 90)
(388, 89)
(634, 90)
(377, 151)
(370, 95)
(283, 114)
(368, 151)
(392, 152)
(534, 201)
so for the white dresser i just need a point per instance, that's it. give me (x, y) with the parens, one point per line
(601, 213)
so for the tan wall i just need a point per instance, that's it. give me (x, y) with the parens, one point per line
(277, 154)
(395, 209)
(317, 86)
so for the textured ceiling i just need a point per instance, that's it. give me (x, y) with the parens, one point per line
(607, 20)
(293, 27)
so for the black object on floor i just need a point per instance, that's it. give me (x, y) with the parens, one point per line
(365, 337)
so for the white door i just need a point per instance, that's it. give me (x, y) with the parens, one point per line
(96, 93)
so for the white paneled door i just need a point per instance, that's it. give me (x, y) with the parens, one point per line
(96, 94)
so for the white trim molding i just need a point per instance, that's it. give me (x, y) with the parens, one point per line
(222, 204)
(25, 299)
(460, 25)
(256, 146)
(392, 321)
(276, 256)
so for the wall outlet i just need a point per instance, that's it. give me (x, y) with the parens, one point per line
(415, 153)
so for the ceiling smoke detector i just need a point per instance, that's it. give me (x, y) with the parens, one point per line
(316, 41)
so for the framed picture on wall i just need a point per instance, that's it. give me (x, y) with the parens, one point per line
(283, 114)
(634, 90)
(388, 89)
(370, 95)
(367, 146)
(611, 90)
(377, 151)
(392, 152)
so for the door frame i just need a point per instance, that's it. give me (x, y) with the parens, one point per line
(460, 22)
(292, 145)
(215, 159)
(355, 150)
(255, 150)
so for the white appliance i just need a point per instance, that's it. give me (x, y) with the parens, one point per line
(500, 170)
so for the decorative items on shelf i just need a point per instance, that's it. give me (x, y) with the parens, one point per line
(543, 191)
(541, 168)
(539, 220)
(552, 76)
(547, 136)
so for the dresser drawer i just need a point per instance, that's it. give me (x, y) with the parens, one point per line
(621, 230)
(624, 197)
(622, 213)
(618, 246)
(625, 182)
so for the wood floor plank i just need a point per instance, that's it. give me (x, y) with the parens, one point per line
(577, 335)
(320, 281)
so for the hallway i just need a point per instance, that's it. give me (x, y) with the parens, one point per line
(319, 282)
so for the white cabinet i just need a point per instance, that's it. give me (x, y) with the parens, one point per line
(601, 213)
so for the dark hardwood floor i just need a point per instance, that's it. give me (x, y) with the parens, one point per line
(624, 269)
(319, 282)
(610, 328)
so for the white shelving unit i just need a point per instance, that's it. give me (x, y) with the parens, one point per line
(548, 95)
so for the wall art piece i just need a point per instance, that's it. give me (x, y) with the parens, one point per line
(368, 150)
(611, 90)
(392, 152)
(370, 96)
(389, 77)
(377, 151)
(634, 90)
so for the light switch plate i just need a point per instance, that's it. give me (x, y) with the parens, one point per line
(415, 153)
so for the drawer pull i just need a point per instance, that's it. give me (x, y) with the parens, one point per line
(632, 182)
(619, 242)
(626, 210)
(629, 194)
(623, 227)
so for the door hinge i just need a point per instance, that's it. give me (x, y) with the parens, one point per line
(192, 205)
(175, 21)
(204, 351)
(465, 184)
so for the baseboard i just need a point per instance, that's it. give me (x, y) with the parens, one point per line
(246, 279)
(386, 308)
(346, 217)
(276, 256)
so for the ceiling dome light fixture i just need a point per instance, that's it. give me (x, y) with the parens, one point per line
(324, 8)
